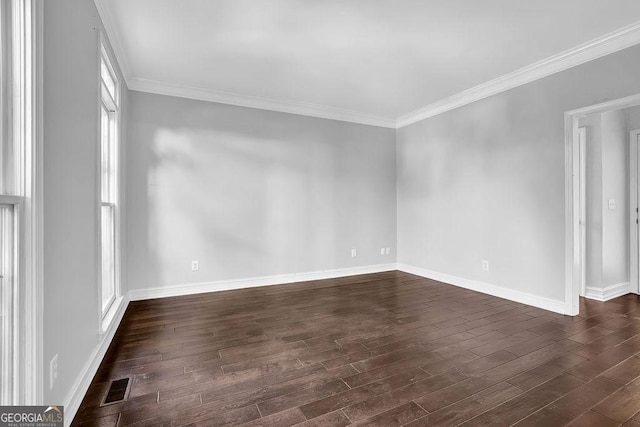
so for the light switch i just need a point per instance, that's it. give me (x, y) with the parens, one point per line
(612, 204)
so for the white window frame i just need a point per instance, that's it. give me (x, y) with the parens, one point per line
(21, 133)
(111, 104)
(10, 300)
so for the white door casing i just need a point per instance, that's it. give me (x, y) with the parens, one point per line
(634, 238)
(582, 147)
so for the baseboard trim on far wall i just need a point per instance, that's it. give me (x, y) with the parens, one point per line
(227, 285)
(609, 292)
(486, 288)
(84, 378)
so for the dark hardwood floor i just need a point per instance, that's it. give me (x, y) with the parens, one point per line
(385, 349)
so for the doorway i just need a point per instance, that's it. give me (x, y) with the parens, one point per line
(576, 261)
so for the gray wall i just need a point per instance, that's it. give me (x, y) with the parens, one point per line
(252, 193)
(593, 193)
(615, 185)
(486, 181)
(71, 73)
(632, 116)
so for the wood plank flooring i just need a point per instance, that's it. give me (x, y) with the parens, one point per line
(387, 349)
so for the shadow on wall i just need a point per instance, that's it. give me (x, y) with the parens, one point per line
(240, 205)
(252, 193)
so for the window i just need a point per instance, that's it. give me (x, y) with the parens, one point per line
(8, 305)
(11, 285)
(109, 89)
(19, 307)
(9, 205)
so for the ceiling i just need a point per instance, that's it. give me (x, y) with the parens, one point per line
(374, 58)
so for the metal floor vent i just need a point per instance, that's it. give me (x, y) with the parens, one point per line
(117, 391)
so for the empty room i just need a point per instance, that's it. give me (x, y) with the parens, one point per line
(319, 213)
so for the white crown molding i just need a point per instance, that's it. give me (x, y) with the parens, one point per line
(609, 43)
(604, 45)
(281, 105)
(489, 289)
(105, 12)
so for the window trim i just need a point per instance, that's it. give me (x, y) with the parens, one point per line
(12, 386)
(33, 392)
(112, 106)
(105, 307)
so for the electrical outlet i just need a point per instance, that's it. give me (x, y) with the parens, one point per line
(195, 265)
(388, 251)
(53, 371)
(353, 253)
(382, 252)
(485, 265)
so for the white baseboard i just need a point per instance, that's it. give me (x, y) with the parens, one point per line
(227, 285)
(84, 378)
(609, 292)
(486, 288)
